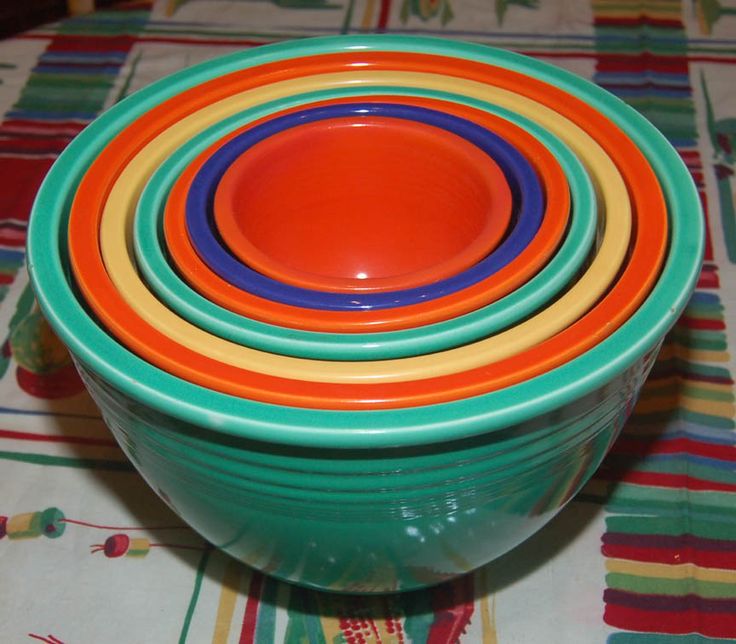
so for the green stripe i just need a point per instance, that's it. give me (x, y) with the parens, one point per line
(304, 625)
(685, 366)
(203, 560)
(711, 309)
(686, 389)
(626, 498)
(62, 81)
(419, 616)
(63, 461)
(659, 586)
(705, 342)
(671, 526)
(677, 466)
(266, 625)
(664, 417)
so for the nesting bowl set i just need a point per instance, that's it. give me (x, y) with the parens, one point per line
(366, 311)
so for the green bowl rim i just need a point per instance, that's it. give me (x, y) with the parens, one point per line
(184, 401)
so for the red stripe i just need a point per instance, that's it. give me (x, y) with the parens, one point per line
(675, 623)
(708, 256)
(672, 556)
(43, 125)
(383, 15)
(625, 445)
(126, 528)
(44, 438)
(697, 176)
(657, 479)
(17, 145)
(709, 279)
(17, 240)
(453, 605)
(27, 175)
(701, 323)
(638, 21)
(250, 617)
(670, 369)
(641, 62)
(105, 44)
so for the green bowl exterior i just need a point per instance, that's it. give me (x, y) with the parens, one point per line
(366, 521)
(49, 271)
(522, 302)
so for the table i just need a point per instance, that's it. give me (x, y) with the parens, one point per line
(645, 554)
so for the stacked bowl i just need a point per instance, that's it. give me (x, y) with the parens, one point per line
(366, 311)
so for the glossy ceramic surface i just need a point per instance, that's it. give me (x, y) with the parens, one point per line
(192, 444)
(352, 203)
(517, 258)
(527, 187)
(521, 175)
(381, 519)
(168, 286)
(227, 415)
(114, 226)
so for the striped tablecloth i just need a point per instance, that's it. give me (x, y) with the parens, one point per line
(645, 554)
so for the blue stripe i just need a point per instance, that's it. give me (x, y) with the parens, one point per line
(110, 70)
(681, 458)
(705, 297)
(84, 55)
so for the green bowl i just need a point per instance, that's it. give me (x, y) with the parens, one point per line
(378, 520)
(521, 303)
(378, 500)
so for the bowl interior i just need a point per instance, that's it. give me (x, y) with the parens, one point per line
(361, 203)
(438, 300)
(152, 260)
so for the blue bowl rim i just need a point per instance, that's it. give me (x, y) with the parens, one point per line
(527, 189)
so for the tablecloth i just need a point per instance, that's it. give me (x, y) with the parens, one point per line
(645, 554)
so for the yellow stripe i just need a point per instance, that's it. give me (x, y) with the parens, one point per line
(329, 618)
(379, 619)
(367, 22)
(453, 555)
(698, 405)
(665, 571)
(231, 580)
(488, 612)
(692, 355)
